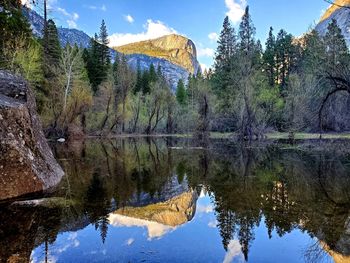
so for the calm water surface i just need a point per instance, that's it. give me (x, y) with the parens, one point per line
(166, 200)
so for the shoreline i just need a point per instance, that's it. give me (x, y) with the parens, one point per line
(226, 136)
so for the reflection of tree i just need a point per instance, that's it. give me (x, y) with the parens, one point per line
(97, 205)
(289, 189)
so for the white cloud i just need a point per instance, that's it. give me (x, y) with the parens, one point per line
(213, 224)
(205, 209)
(205, 52)
(93, 7)
(72, 24)
(26, 3)
(75, 16)
(71, 18)
(63, 11)
(129, 241)
(153, 29)
(213, 36)
(204, 67)
(236, 9)
(129, 18)
(233, 250)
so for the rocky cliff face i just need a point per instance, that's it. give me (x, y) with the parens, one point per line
(178, 57)
(341, 15)
(27, 164)
(174, 48)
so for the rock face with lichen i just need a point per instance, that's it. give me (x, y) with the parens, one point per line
(27, 164)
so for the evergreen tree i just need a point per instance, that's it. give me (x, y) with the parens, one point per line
(269, 58)
(181, 95)
(286, 58)
(13, 27)
(313, 55)
(138, 84)
(247, 34)
(105, 56)
(92, 63)
(224, 58)
(159, 72)
(226, 47)
(337, 50)
(53, 51)
(153, 76)
(146, 87)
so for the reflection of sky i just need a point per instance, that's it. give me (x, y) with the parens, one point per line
(135, 240)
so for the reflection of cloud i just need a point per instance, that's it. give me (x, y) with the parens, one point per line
(72, 241)
(205, 209)
(130, 241)
(213, 224)
(155, 230)
(233, 250)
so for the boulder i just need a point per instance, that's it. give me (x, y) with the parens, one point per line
(27, 164)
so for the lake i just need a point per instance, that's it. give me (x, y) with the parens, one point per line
(172, 200)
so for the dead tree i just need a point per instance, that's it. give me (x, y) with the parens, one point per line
(339, 83)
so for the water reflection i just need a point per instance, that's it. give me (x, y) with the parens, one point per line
(252, 198)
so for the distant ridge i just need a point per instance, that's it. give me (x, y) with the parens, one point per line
(172, 71)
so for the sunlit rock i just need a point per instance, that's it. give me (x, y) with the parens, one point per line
(341, 13)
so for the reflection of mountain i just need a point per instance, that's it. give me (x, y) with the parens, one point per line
(159, 218)
(130, 183)
(337, 257)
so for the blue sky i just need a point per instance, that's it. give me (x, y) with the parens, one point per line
(200, 20)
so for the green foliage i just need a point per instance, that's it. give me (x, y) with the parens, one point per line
(14, 28)
(181, 95)
(337, 50)
(225, 54)
(97, 58)
(52, 48)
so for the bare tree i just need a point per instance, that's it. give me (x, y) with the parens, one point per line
(72, 65)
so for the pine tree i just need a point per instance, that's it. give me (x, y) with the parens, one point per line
(138, 84)
(53, 51)
(152, 74)
(14, 27)
(269, 58)
(337, 50)
(286, 58)
(227, 46)
(92, 63)
(146, 87)
(181, 95)
(313, 55)
(104, 50)
(247, 34)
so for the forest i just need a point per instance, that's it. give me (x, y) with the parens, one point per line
(290, 84)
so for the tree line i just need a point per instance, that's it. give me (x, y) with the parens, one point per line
(290, 85)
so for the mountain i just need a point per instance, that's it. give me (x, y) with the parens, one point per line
(340, 14)
(174, 48)
(170, 60)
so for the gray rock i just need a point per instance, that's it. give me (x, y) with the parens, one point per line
(27, 164)
(342, 16)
